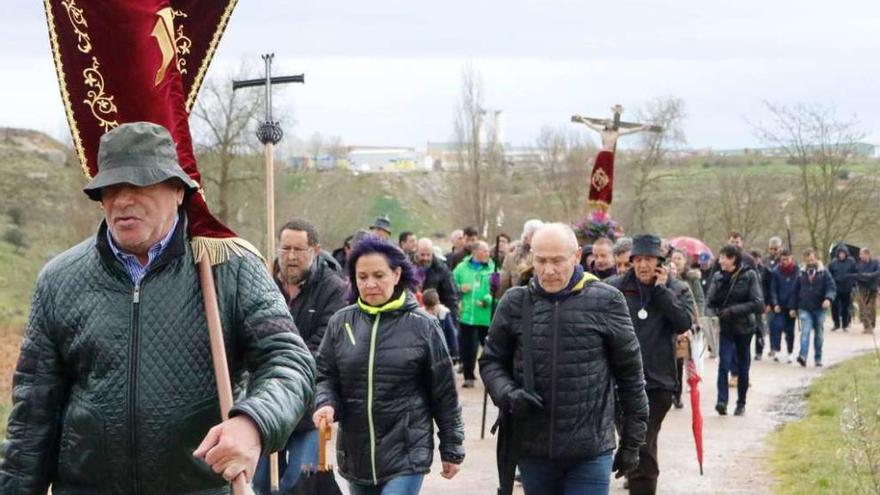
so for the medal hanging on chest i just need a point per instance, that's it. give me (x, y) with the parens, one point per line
(643, 302)
(643, 315)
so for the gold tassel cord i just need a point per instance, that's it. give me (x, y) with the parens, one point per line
(218, 251)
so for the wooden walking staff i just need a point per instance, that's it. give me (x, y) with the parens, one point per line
(602, 176)
(269, 133)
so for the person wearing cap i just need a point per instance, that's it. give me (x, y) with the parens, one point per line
(659, 307)
(381, 228)
(114, 391)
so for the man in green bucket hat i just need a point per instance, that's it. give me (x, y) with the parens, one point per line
(114, 391)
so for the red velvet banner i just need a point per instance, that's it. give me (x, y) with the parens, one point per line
(128, 61)
(602, 181)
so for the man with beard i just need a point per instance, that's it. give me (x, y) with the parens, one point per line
(774, 252)
(408, 244)
(314, 292)
(813, 293)
(603, 265)
(659, 307)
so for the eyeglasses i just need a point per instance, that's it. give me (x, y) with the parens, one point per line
(293, 251)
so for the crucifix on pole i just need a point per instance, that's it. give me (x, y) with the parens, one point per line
(269, 133)
(602, 177)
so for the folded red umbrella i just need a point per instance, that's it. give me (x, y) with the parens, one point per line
(693, 380)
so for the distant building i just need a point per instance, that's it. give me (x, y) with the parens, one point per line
(385, 159)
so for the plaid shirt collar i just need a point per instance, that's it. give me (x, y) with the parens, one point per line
(132, 266)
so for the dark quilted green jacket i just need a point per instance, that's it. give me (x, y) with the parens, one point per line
(114, 388)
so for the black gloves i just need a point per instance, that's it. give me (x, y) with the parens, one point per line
(522, 403)
(626, 460)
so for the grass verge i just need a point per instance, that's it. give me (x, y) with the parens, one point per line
(814, 455)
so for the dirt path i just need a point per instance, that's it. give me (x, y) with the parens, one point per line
(735, 452)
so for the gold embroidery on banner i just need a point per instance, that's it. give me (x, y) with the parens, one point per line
(77, 21)
(65, 94)
(100, 103)
(209, 54)
(163, 32)
(182, 43)
(600, 179)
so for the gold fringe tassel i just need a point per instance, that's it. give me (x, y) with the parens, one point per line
(218, 251)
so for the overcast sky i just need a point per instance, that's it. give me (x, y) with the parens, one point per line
(388, 72)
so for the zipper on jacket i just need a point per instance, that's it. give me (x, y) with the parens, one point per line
(371, 363)
(132, 384)
(555, 330)
(350, 334)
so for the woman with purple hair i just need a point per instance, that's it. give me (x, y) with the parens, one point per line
(385, 375)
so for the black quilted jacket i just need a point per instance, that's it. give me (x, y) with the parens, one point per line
(583, 346)
(389, 377)
(115, 388)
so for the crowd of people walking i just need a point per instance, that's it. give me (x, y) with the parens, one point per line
(580, 346)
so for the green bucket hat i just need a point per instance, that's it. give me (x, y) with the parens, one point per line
(137, 153)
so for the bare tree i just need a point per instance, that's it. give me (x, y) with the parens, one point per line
(748, 204)
(832, 204)
(564, 169)
(645, 165)
(336, 149)
(480, 159)
(223, 123)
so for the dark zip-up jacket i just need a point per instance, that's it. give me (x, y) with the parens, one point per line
(388, 375)
(736, 299)
(322, 295)
(584, 351)
(843, 272)
(439, 277)
(782, 292)
(669, 314)
(115, 386)
(868, 276)
(809, 293)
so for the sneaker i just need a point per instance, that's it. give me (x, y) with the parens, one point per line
(721, 408)
(740, 410)
(775, 356)
(835, 328)
(801, 361)
(757, 357)
(790, 358)
(846, 329)
(818, 364)
(468, 384)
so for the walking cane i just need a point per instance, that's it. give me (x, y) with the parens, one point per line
(492, 313)
(218, 355)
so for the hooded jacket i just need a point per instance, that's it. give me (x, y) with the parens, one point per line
(388, 376)
(668, 307)
(843, 272)
(585, 352)
(476, 305)
(115, 385)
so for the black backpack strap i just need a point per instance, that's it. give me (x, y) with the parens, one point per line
(527, 345)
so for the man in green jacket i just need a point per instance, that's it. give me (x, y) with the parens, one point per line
(472, 278)
(114, 392)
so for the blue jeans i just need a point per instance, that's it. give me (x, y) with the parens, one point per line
(734, 355)
(584, 477)
(781, 324)
(402, 485)
(812, 321)
(300, 454)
